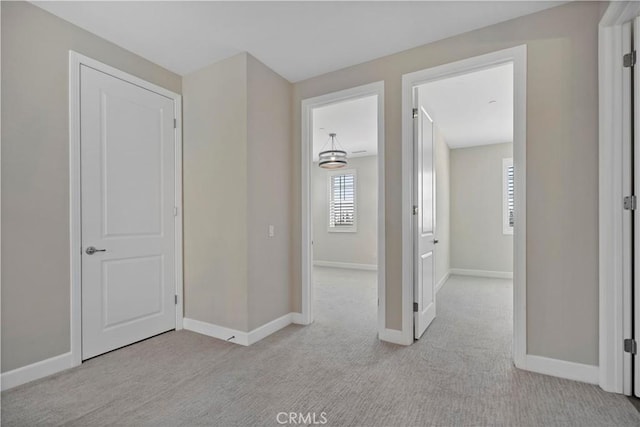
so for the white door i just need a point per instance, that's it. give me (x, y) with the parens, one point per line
(424, 221)
(127, 188)
(636, 220)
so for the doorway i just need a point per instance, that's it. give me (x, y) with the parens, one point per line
(126, 197)
(342, 221)
(420, 242)
(344, 212)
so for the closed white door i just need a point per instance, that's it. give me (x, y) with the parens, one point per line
(424, 221)
(128, 235)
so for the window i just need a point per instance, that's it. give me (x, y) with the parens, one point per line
(342, 201)
(508, 201)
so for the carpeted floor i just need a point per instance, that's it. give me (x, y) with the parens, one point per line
(459, 373)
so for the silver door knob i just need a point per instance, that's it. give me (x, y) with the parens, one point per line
(91, 250)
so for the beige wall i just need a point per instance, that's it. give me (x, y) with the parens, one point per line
(215, 193)
(269, 177)
(477, 238)
(35, 174)
(237, 121)
(562, 147)
(443, 222)
(361, 246)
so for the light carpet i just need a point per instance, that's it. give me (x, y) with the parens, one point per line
(459, 373)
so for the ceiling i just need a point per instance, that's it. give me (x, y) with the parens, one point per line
(472, 109)
(297, 39)
(355, 123)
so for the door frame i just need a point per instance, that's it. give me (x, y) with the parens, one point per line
(518, 56)
(614, 223)
(75, 212)
(308, 105)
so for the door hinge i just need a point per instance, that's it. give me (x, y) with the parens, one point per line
(175, 299)
(415, 210)
(415, 113)
(630, 203)
(175, 211)
(629, 59)
(630, 346)
(415, 307)
(175, 123)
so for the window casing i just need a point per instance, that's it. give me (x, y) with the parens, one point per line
(508, 199)
(342, 209)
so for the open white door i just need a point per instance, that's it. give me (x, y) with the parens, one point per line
(636, 220)
(127, 142)
(424, 305)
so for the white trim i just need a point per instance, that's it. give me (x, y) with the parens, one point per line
(614, 253)
(240, 337)
(307, 107)
(220, 332)
(297, 319)
(349, 265)
(75, 212)
(179, 273)
(561, 368)
(75, 217)
(517, 55)
(269, 328)
(442, 281)
(482, 273)
(394, 336)
(35, 371)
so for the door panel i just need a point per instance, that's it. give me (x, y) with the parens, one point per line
(128, 174)
(132, 289)
(424, 225)
(427, 271)
(134, 143)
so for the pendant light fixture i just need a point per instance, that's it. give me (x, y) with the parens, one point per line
(333, 158)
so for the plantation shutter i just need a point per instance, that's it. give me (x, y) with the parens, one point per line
(342, 206)
(510, 195)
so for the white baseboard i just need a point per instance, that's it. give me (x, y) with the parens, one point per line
(561, 368)
(269, 328)
(482, 273)
(216, 331)
(394, 336)
(443, 281)
(298, 319)
(349, 265)
(35, 371)
(240, 337)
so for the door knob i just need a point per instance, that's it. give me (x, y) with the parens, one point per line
(435, 241)
(91, 250)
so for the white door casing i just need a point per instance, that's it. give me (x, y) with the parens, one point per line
(615, 179)
(128, 192)
(518, 56)
(424, 220)
(307, 107)
(636, 213)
